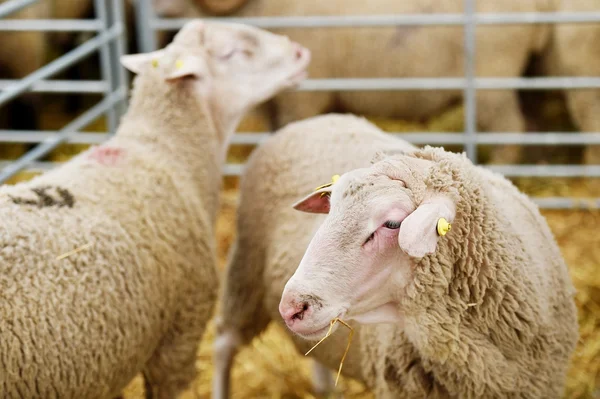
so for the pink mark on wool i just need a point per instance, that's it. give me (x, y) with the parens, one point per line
(105, 155)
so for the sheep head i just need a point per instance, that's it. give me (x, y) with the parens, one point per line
(234, 66)
(379, 220)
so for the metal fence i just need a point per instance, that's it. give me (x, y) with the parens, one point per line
(148, 24)
(110, 41)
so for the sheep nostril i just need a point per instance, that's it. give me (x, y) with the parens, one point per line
(300, 314)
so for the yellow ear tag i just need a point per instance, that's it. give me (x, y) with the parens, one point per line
(155, 63)
(178, 64)
(334, 178)
(443, 226)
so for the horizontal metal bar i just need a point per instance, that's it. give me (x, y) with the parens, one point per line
(338, 21)
(491, 138)
(50, 25)
(566, 203)
(363, 84)
(37, 136)
(52, 142)
(234, 170)
(60, 63)
(546, 170)
(61, 86)
(432, 138)
(250, 138)
(12, 6)
(506, 170)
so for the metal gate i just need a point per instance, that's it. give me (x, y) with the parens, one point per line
(109, 26)
(109, 40)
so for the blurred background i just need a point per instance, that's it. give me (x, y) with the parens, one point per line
(533, 114)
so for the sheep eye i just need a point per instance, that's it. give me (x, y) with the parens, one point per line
(390, 224)
(228, 55)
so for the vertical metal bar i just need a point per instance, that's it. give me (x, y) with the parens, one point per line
(105, 68)
(120, 48)
(146, 35)
(469, 92)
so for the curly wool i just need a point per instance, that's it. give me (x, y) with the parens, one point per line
(140, 296)
(491, 313)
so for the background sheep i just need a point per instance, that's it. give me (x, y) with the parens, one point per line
(271, 236)
(486, 310)
(420, 51)
(146, 202)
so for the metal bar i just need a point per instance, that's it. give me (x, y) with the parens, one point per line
(50, 143)
(566, 203)
(338, 21)
(120, 48)
(105, 61)
(491, 138)
(37, 136)
(61, 86)
(546, 170)
(146, 37)
(339, 84)
(542, 202)
(59, 64)
(469, 91)
(432, 138)
(360, 84)
(50, 25)
(506, 170)
(12, 6)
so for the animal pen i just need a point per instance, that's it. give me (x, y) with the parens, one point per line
(572, 218)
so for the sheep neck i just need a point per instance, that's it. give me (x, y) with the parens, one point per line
(172, 120)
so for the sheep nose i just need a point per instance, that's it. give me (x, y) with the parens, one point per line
(298, 51)
(293, 311)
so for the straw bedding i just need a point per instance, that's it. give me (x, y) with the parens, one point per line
(271, 367)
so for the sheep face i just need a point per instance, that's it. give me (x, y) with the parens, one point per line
(358, 263)
(235, 66)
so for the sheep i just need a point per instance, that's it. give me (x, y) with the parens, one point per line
(138, 215)
(454, 274)
(509, 308)
(265, 252)
(435, 51)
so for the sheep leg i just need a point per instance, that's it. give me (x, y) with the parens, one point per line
(226, 347)
(241, 315)
(499, 111)
(323, 383)
(172, 367)
(584, 106)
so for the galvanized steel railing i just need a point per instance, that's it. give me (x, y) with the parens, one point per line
(110, 41)
(148, 24)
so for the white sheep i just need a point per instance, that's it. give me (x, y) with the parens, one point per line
(485, 310)
(433, 51)
(140, 209)
(271, 236)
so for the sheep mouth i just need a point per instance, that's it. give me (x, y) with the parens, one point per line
(302, 73)
(319, 333)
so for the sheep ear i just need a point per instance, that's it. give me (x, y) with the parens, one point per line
(136, 62)
(418, 234)
(315, 202)
(187, 66)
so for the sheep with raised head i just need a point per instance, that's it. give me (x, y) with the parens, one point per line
(483, 311)
(139, 214)
(415, 51)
